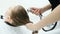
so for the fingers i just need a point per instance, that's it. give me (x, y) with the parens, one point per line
(35, 11)
(33, 8)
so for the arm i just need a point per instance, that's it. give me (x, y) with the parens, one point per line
(51, 18)
(45, 8)
(39, 11)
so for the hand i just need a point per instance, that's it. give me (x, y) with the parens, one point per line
(36, 11)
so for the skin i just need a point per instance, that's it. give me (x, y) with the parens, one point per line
(17, 11)
(39, 11)
(51, 18)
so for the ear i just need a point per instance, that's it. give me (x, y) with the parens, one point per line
(8, 19)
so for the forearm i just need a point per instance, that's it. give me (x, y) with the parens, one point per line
(45, 8)
(51, 18)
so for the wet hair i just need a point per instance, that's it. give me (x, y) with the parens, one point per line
(19, 16)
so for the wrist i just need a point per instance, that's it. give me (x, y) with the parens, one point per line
(42, 10)
(31, 26)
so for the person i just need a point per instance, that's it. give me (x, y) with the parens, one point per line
(49, 19)
(16, 16)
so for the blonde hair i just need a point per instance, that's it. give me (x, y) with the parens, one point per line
(19, 16)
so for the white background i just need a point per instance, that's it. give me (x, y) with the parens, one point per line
(6, 29)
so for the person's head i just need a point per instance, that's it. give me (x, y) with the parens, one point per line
(17, 16)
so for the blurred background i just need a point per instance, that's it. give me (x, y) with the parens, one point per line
(6, 29)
